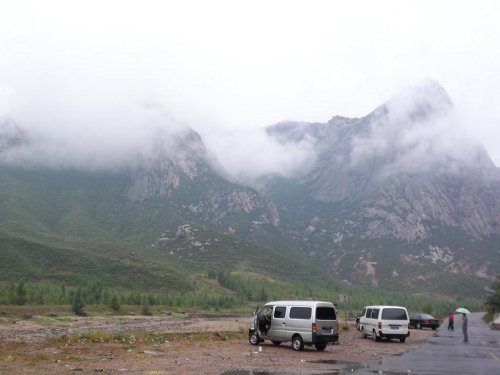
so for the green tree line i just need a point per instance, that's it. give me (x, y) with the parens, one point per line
(236, 290)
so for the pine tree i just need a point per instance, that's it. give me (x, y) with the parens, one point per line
(115, 302)
(77, 304)
(492, 303)
(145, 306)
(20, 296)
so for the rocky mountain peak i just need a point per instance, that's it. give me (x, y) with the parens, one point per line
(11, 135)
(415, 104)
(408, 163)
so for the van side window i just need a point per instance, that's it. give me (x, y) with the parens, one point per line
(369, 313)
(375, 313)
(300, 313)
(279, 312)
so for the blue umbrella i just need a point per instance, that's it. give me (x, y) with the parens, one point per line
(462, 310)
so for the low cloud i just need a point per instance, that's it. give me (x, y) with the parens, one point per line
(417, 131)
(249, 154)
(100, 137)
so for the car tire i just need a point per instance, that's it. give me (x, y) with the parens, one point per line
(419, 326)
(276, 343)
(375, 337)
(253, 338)
(320, 346)
(402, 339)
(297, 343)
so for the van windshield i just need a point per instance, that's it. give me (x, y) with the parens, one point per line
(325, 313)
(394, 314)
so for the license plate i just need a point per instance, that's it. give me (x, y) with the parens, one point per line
(394, 327)
(327, 330)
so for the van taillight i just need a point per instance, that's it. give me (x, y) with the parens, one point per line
(314, 328)
(379, 325)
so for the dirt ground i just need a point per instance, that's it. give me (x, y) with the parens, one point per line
(172, 345)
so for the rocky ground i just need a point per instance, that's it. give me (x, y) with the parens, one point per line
(174, 345)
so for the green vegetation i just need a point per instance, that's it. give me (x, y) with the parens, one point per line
(492, 303)
(235, 292)
(144, 337)
(72, 238)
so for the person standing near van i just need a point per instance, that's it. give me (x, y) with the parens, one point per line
(464, 327)
(451, 320)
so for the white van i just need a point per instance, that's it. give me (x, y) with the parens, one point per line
(301, 322)
(384, 321)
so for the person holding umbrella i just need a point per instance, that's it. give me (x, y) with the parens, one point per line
(464, 313)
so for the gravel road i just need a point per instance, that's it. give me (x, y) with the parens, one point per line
(33, 347)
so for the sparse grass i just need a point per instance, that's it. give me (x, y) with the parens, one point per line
(131, 339)
(51, 321)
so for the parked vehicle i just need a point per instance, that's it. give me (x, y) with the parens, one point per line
(422, 320)
(384, 321)
(358, 316)
(299, 322)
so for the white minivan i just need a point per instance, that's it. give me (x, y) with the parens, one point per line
(384, 321)
(301, 322)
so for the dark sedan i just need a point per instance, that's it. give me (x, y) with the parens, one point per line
(420, 320)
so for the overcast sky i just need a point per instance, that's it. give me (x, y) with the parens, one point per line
(102, 74)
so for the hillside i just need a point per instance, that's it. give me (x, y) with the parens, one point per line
(151, 227)
(397, 200)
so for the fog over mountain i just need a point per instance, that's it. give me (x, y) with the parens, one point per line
(91, 83)
(402, 197)
(415, 131)
(418, 131)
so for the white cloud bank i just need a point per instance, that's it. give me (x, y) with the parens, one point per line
(77, 74)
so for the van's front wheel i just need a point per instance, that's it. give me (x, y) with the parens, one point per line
(297, 343)
(320, 346)
(254, 338)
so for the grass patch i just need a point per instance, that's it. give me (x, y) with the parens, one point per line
(488, 317)
(131, 339)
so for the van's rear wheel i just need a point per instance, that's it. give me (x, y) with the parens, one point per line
(375, 337)
(320, 346)
(297, 343)
(402, 339)
(254, 338)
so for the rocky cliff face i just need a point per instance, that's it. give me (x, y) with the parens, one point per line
(399, 197)
(406, 166)
(185, 175)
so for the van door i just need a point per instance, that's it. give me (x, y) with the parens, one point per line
(300, 321)
(374, 321)
(277, 331)
(365, 320)
(264, 317)
(326, 321)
